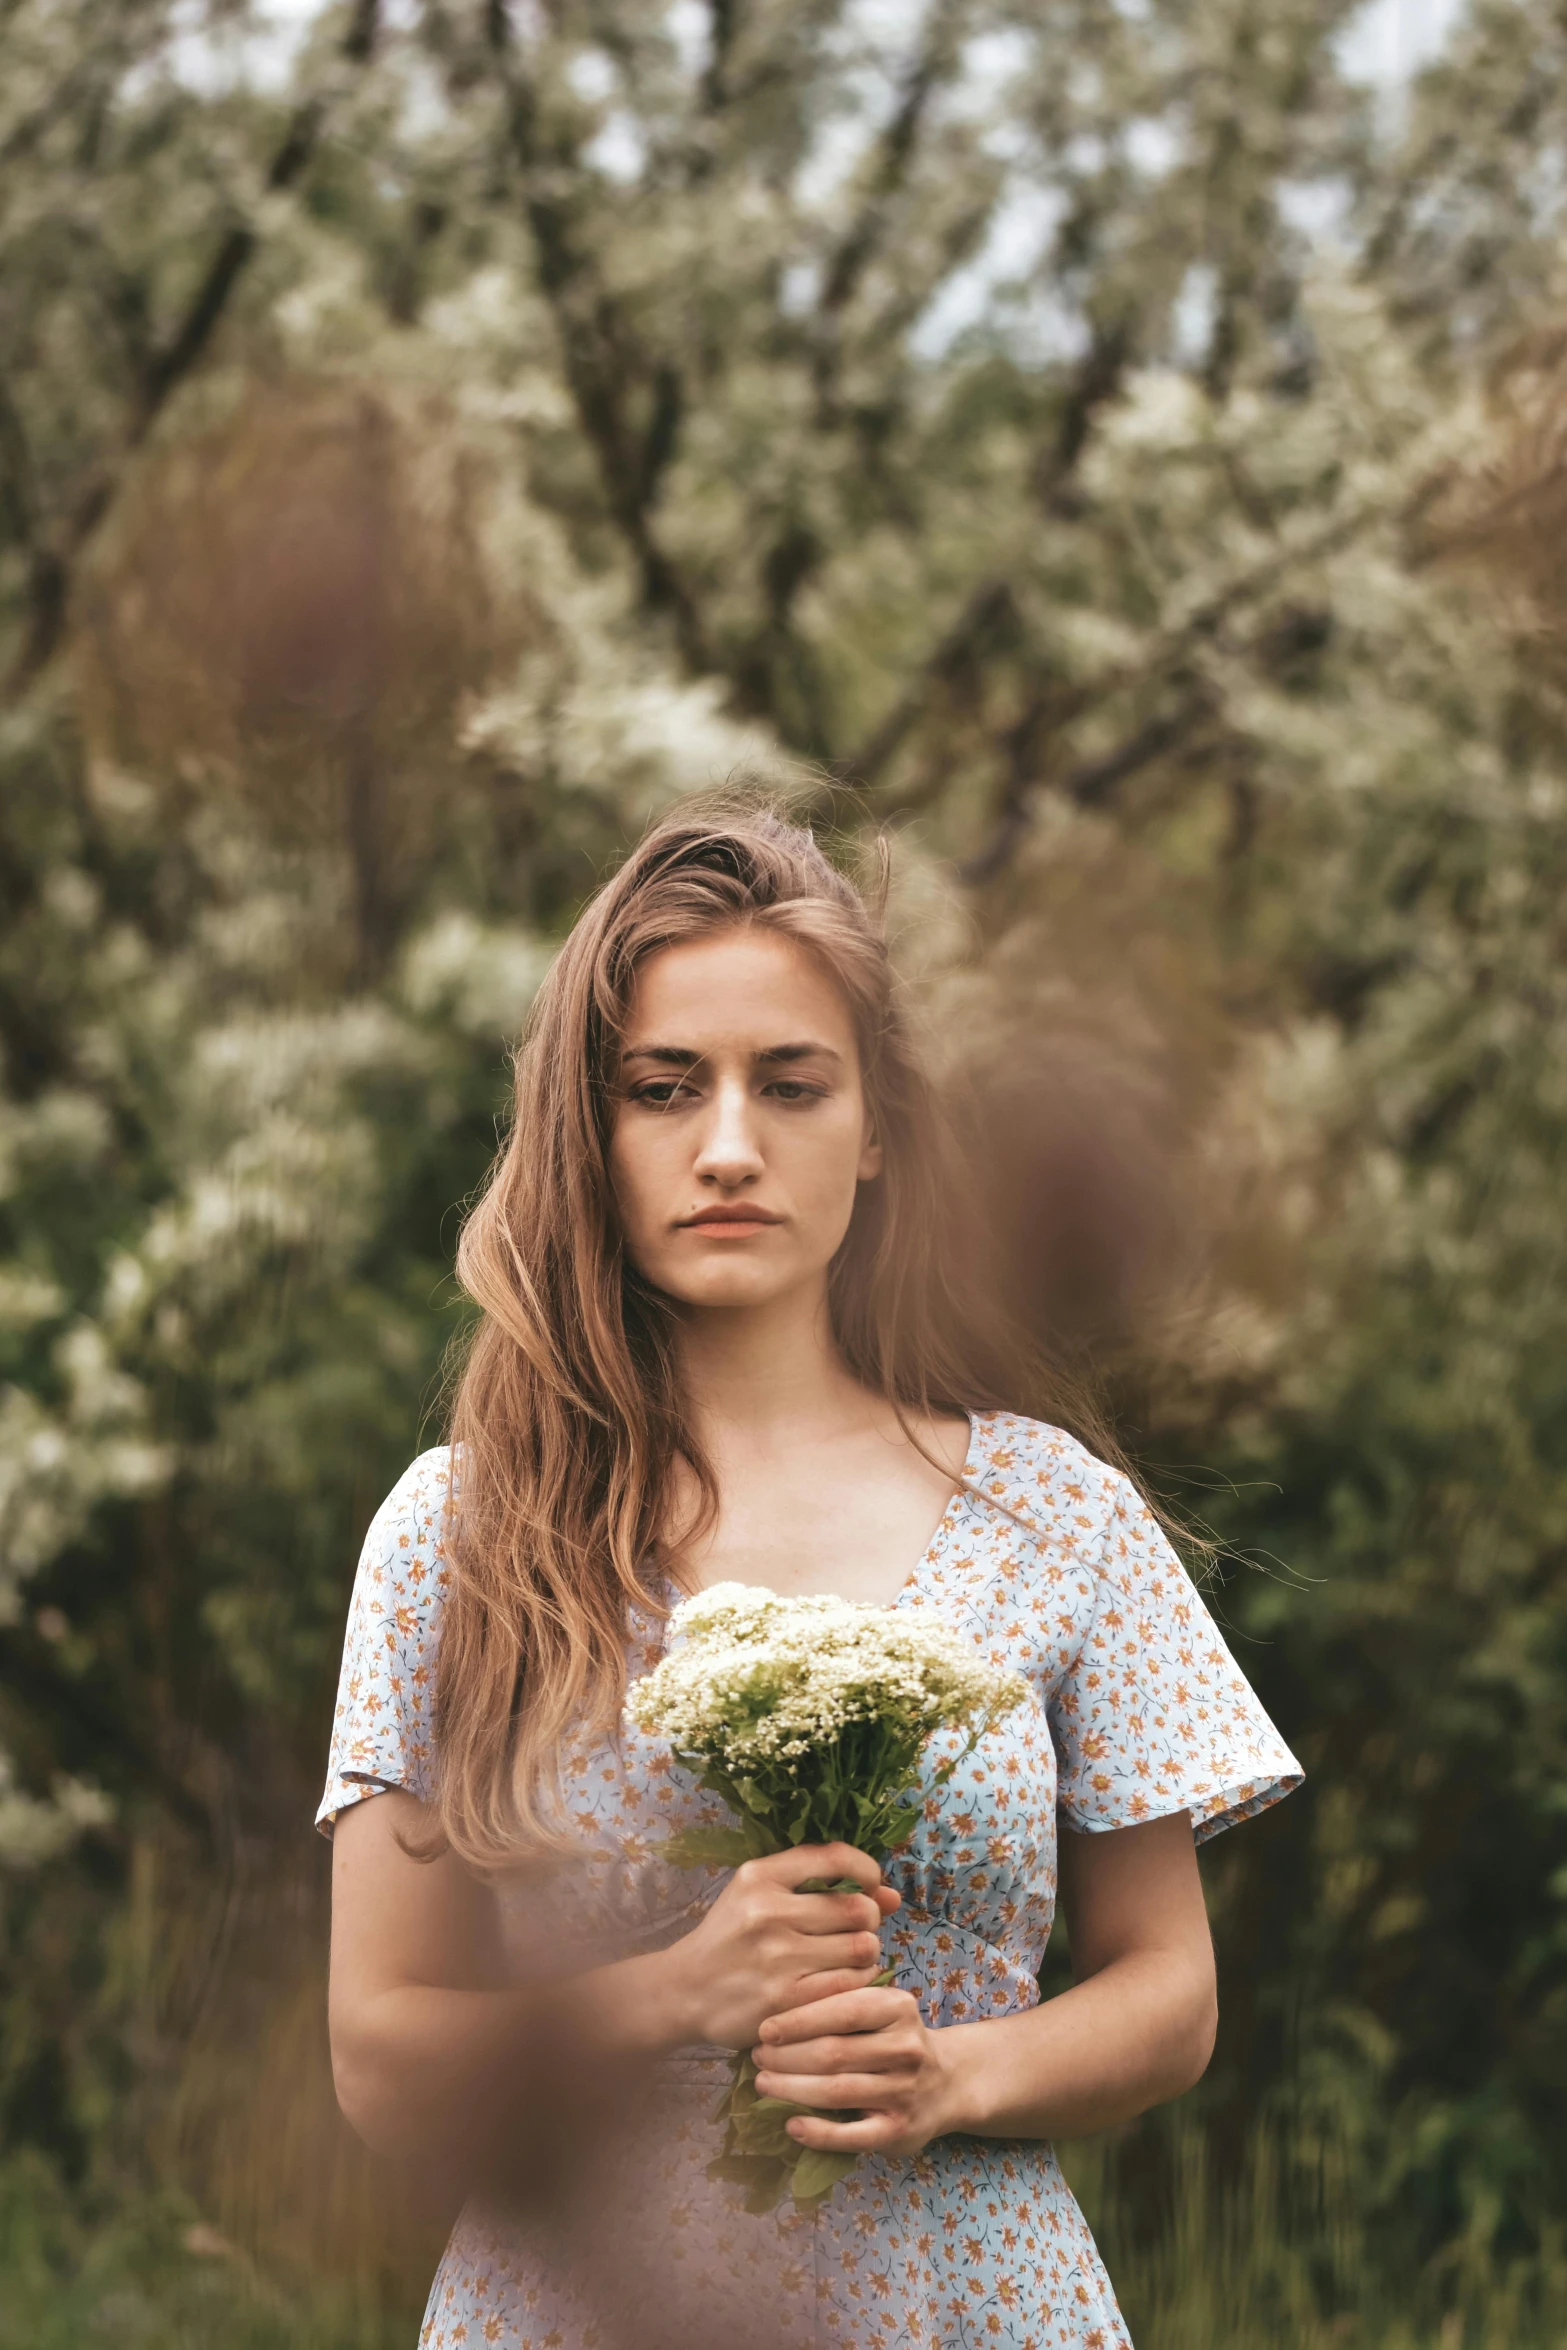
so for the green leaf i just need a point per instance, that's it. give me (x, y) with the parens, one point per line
(765, 2178)
(758, 2124)
(763, 2136)
(706, 1848)
(759, 1838)
(817, 2173)
(741, 2170)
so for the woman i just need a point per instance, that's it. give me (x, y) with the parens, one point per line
(718, 1344)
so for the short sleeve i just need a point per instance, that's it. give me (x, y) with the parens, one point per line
(382, 1729)
(1153, 1715)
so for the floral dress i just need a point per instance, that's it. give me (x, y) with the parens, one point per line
(1051, 1563)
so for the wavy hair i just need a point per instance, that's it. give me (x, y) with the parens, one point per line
(568, 1420)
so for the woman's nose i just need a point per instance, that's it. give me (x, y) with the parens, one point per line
(729, 1152)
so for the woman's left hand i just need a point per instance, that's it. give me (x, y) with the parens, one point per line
(869, 2050)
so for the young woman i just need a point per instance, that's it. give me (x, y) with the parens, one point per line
(720, 1342)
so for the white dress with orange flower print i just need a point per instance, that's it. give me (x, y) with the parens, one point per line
(1052, 1564)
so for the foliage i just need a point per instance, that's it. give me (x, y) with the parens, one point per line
(1096, 437)
(1290, 2252)
(1287, 2258)
(151, 2274)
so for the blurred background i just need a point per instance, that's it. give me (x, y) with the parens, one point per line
(1121, 447)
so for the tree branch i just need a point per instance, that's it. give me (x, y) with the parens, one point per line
(895, 154)
(991, 610)
(53, 567)
(30, 128)
(1088, 785)
(19, 478)
(169, 367)
(1098, 379)
(663, 430)
(774, 650)
(1091, 783)
(723, 18)
(602, 359)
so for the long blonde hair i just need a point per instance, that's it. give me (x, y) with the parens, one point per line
(568, 1421)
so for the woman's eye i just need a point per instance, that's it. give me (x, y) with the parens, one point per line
(660, 1093)
(792, 1089)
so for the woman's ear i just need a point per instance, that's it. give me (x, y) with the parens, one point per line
(870, 1154)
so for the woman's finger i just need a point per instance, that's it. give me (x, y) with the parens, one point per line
(861, 2137)
(863, 2052)
(833, 1913)
(831, 1861)
(868, 2009)
(832, 1983)
(850, 1952)
(831, 2089)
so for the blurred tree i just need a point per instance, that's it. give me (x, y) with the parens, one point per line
(294, 605)
(1094, 436)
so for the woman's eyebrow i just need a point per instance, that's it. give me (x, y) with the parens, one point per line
(798, 1052)
(681, 1056)
(670, 1056)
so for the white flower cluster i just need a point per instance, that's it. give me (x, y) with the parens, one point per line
(753, 1679)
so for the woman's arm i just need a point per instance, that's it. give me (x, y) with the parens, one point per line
(435, 2054)
(1136, 2027)
(430, 2044)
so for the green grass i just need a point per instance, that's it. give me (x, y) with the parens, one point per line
(1296, 2257)
(145, 2272)
(1288, 2261)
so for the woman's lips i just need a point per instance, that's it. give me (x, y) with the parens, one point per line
(735, 1221)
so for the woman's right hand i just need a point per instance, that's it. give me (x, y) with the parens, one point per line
(764, 1947)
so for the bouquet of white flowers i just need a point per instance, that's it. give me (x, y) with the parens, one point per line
(808, 1716)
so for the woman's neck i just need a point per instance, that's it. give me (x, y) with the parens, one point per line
(755, 1375)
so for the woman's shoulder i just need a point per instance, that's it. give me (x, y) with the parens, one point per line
(382, 1732)
(418, 1499)
(1048, 1478)
(403, 1571)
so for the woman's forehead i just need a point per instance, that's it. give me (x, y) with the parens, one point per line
(743, 989)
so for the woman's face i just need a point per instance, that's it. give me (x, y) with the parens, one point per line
(740, 1131)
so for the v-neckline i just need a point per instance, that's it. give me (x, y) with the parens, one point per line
(958, 1501)
(884, 1607)
(912, 1580)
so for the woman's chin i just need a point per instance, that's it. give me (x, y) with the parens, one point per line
(721, 1289)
